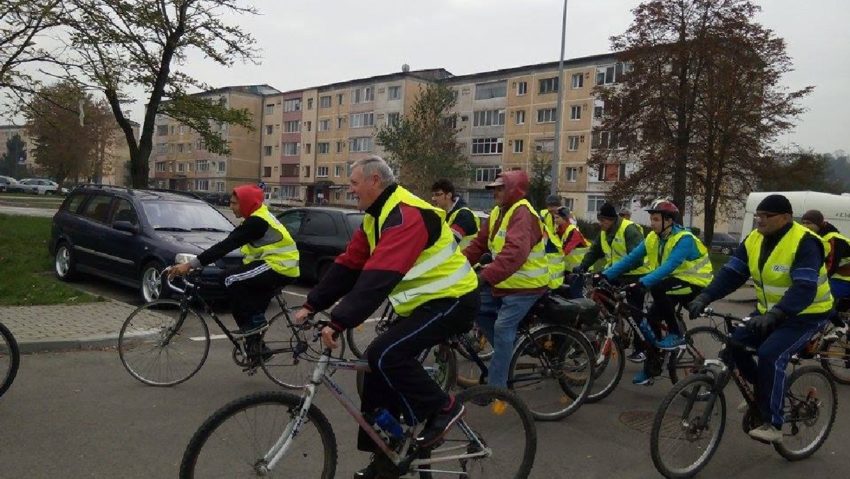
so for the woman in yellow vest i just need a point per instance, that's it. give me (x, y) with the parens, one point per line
(837, 266)
(680, 269)
(786, 263)
(270, 262)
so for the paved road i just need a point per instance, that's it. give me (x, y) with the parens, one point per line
(22, 211)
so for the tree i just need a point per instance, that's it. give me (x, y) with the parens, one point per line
(120, 44)
(540, 181)
(21, 24)
(15, 151)
(700, 86)
(423, 146)
(801, 171)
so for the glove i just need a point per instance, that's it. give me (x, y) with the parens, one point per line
(597, 278)
(635, 288)
(697, 306)
(763, 324)
(578, 270)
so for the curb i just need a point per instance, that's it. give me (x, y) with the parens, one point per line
(56, 345)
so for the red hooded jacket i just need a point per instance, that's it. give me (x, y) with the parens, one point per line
(250, 199)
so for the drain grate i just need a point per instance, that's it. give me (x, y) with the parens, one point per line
(639, 420)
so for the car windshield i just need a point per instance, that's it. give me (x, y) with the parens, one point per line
(184, 216)
(354, 220)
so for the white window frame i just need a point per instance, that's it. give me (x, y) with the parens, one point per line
(361, 120)
(547, 115)
(487, 173)
(323, 148)
(325, 104)
(393, 92)
(292, 126)
(518, 146)
(522, 88)
(293, 104)
(520, 117)
(547, 85)
(571, 174)
(324, 124)
(487, 146)
(577, 81)
(488, 118)
(321, 172)
(575, 112)
(290, 149)
(361, 144)
(573, 143)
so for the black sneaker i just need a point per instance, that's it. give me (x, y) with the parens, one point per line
(379, 468)
(438, 424)
(368, 472)
(257, 348)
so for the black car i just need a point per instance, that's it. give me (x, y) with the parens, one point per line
(723, 243)
(129, 236)
(321, 234)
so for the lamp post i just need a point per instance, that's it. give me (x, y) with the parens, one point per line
(556, 155)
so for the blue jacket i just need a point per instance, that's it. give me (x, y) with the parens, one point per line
(685, 250)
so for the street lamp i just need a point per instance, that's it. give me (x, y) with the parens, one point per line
(556, 156)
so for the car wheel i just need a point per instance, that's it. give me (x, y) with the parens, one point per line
(64, 263)
(726, 250)
(151, 287)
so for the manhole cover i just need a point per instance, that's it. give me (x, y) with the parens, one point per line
(638, 420)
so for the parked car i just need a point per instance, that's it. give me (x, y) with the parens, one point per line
(7, 183)
(321, 234)
(723, 243)
(219, 199)
(38, 186)
(128, 236)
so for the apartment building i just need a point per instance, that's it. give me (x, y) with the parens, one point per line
(181, 161)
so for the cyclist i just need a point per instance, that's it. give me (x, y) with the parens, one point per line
(573, 244)
(404, 251)
(463, 223)
(786, 263)
(547, 214)
(270, 262)
(518, 275)
(837, 266)
(680, 269)
(617, 238)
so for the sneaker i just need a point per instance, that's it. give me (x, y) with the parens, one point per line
(836, 333)
(257, 348)
(671, 341)
(373, 470)
(642, 378)
(636, 357)
(766, 433)
(438, 424)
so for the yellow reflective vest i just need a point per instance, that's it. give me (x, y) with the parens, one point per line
(575, 256)
(535, 272)
(276, 247)
(696, 272)
(844, 261)
(774, 278)
(464, 241)
(440, 271)
(616, 250)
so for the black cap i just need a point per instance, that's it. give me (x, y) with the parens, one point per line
(607, 211)
(775, 204)
(553, 200)
(564, 212)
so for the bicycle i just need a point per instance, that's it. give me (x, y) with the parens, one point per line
(167, 341)
(693, 414)
(495, 438)
(10, 358)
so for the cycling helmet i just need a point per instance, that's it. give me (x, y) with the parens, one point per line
(665, 207)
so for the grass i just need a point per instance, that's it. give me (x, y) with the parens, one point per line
(26, 268)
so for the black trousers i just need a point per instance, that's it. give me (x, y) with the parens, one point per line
(664, 303)
(251, 288)
(397, 381)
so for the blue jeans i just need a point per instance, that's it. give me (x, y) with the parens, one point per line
(498, 318)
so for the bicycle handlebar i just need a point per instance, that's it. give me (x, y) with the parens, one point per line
(168, 281)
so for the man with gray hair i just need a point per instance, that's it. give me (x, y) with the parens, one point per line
(404, 251)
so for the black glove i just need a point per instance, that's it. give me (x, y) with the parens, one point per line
(635, 288)
(485, 259)
(697, 306)
(597, 278)
(579, 270)
(764, 324)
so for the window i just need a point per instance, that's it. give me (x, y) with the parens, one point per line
(267, 171)
(544, 146)
(318, 224)
(360, 144)
(290, 149)
(521, 88)
(202, 165)
(267, 151)
(548, 85)
(202, 185)
(74, 203)
(289, 171)
(161, 130)
(291, 220)
(598, 111)
(292, 105)
(179, 147)
(162, 148)
(199, 145)
(321, 172)
(393, 119)
(488, 118)
(546, 115)
(324, 125)
(520, 117)
(572, 174)
(98, 208)
(289, 191)
(594, 203)
(573, 143)
(340, 145)
(485, 91)
(222, 166)
(362, 95)
(307, 148)
(325, 101)
(518, 144)
(569, 203)
(487, 173)
(605, 139)
(339, 98)
(338, 170)
(487, 146)
(309, 103)
(610, 74)
(160, 167)
(308, 125)
(323, 148)
(269, 109)
(622, 174)
(307, 171)
(575, 112)
(219, 186)
(394, 93)
(181, 167)
(451, 121)
(293, 126)
(361, 120)
(577, 80)
(339, 122)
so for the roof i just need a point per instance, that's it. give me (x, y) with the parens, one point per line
(430, 74)
(503, 72)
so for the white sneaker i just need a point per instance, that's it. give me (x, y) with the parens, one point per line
(836, 333)
(767, 433)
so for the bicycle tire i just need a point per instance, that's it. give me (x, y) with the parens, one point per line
(359, 337)
(826, 393)
(662, 428)
(835, 359)
(570, 380)
(610, 361)
(145, 328)
(8, 349)
(213, 441)
(512, 436)
(701, 343)
(483, 348)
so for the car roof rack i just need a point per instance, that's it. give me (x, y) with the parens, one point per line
(101, 186)
(187, 194)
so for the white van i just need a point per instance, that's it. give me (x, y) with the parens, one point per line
(835, 208)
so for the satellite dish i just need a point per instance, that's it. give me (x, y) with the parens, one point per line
(405, 68)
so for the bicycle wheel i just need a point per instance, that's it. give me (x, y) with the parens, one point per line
(496, 425)
(440, 362)
(551, 370)
(809, 409)
(835, 358)
(155, 351)
(701, 343)
(468, 371)
(479, 344)
(236, 440)
(609, 362)
(10, 358)
(283, 340)
(685, 433)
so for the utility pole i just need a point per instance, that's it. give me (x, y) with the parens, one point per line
(556, 155)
